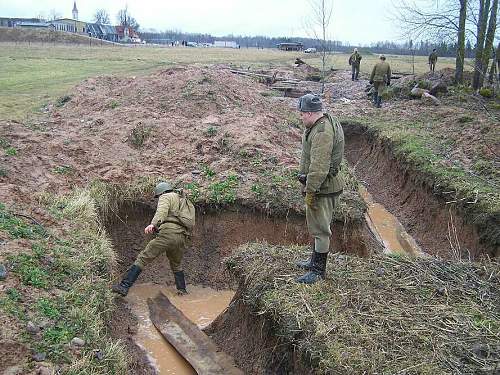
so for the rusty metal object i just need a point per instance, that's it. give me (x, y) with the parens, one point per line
(194, 345)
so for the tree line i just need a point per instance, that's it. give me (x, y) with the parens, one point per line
(458, 22)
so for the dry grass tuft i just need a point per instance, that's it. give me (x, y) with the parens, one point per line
(381, 315)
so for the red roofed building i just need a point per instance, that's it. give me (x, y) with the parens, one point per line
(127, 34)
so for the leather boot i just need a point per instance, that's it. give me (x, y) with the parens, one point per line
(129, 280)
(317, 272)
(307, 264)
(379, 101)
(180, 282)
(375, 98)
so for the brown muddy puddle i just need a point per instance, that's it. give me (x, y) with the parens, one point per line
(202, 305)
(390, 231)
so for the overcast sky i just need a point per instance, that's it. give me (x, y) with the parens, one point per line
(355, 21)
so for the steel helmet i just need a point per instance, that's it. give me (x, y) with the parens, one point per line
(162, 187)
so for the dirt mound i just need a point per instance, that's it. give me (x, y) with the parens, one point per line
(182, 123)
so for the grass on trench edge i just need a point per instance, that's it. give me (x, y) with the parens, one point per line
(386, 314)
(64, 288)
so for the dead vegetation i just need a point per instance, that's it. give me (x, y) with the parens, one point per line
(383, 315)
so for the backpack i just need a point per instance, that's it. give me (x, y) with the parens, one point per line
(186, 213)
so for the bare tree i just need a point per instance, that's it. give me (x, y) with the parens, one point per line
(54, 15)
(125, 19)
(318, 25)
(437, 20)
(485, 37)
(460, 57)
(101, 16)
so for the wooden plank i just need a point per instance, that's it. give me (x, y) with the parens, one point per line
(193, 344)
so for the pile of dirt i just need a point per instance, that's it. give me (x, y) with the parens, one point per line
(384, 314)
(177, 123)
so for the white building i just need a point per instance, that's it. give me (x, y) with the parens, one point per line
(225, 44)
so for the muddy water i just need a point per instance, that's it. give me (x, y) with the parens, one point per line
(391, 231)
(201, 306)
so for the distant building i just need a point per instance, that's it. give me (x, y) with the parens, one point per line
(290, 46)
(75, 11)
(127, 34)
(36, 25)
(11, 22)
(225, 44)
(109, 33)
(70, 25)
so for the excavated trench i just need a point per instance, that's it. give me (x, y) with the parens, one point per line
(216, 235)
(438, 229)
(403, 215)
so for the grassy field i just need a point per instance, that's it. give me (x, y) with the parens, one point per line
(35, 74)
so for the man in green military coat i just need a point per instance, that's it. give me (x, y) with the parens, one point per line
(322, 153)
(381, 76)
(433, 57)
(355, 62)
(171, 239)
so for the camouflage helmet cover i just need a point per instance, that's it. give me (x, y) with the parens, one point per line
(162, 187)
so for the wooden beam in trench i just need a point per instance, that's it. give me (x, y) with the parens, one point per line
(193, 344)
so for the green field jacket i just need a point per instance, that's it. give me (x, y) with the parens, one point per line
(322, 153)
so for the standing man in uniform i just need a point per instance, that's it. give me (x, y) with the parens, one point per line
(355, 62)
(322, 153)
(381, 76)
(173, 222)
(433, 57)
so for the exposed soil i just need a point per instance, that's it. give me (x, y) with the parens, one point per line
(253, 342)
(216, 235)
(439, 230)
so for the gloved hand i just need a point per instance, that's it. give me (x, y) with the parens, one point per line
(310, 200)
(302, 178)
(371, 82)
(388, 83)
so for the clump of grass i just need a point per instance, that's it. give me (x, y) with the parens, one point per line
(211, 131)
(386, 314)
(194, 191)
(486, 92)
(224, 192)
(11, 151)
(207, 171)
(3, 172)
(63, 100)
(139, 135)
(63, 169)
(112, 104)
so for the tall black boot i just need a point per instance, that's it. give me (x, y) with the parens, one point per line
(317, 272)
(180, 282)
(129, 280)
(379, 101)
(375, 98)
(307, 264)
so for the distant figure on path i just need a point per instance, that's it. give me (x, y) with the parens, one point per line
(433, 57)
(355, 62)
(173, 223)
(322, 153)
(381, 76)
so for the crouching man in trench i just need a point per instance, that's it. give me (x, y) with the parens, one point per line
(322, 153)
(173, 222)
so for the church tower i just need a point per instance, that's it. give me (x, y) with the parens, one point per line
(75, 11)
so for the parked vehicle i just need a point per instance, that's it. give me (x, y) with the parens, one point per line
(310, 50)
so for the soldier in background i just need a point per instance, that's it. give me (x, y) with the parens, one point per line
(355, 62)
(381, 76)
(433, 57)
(322, 153)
